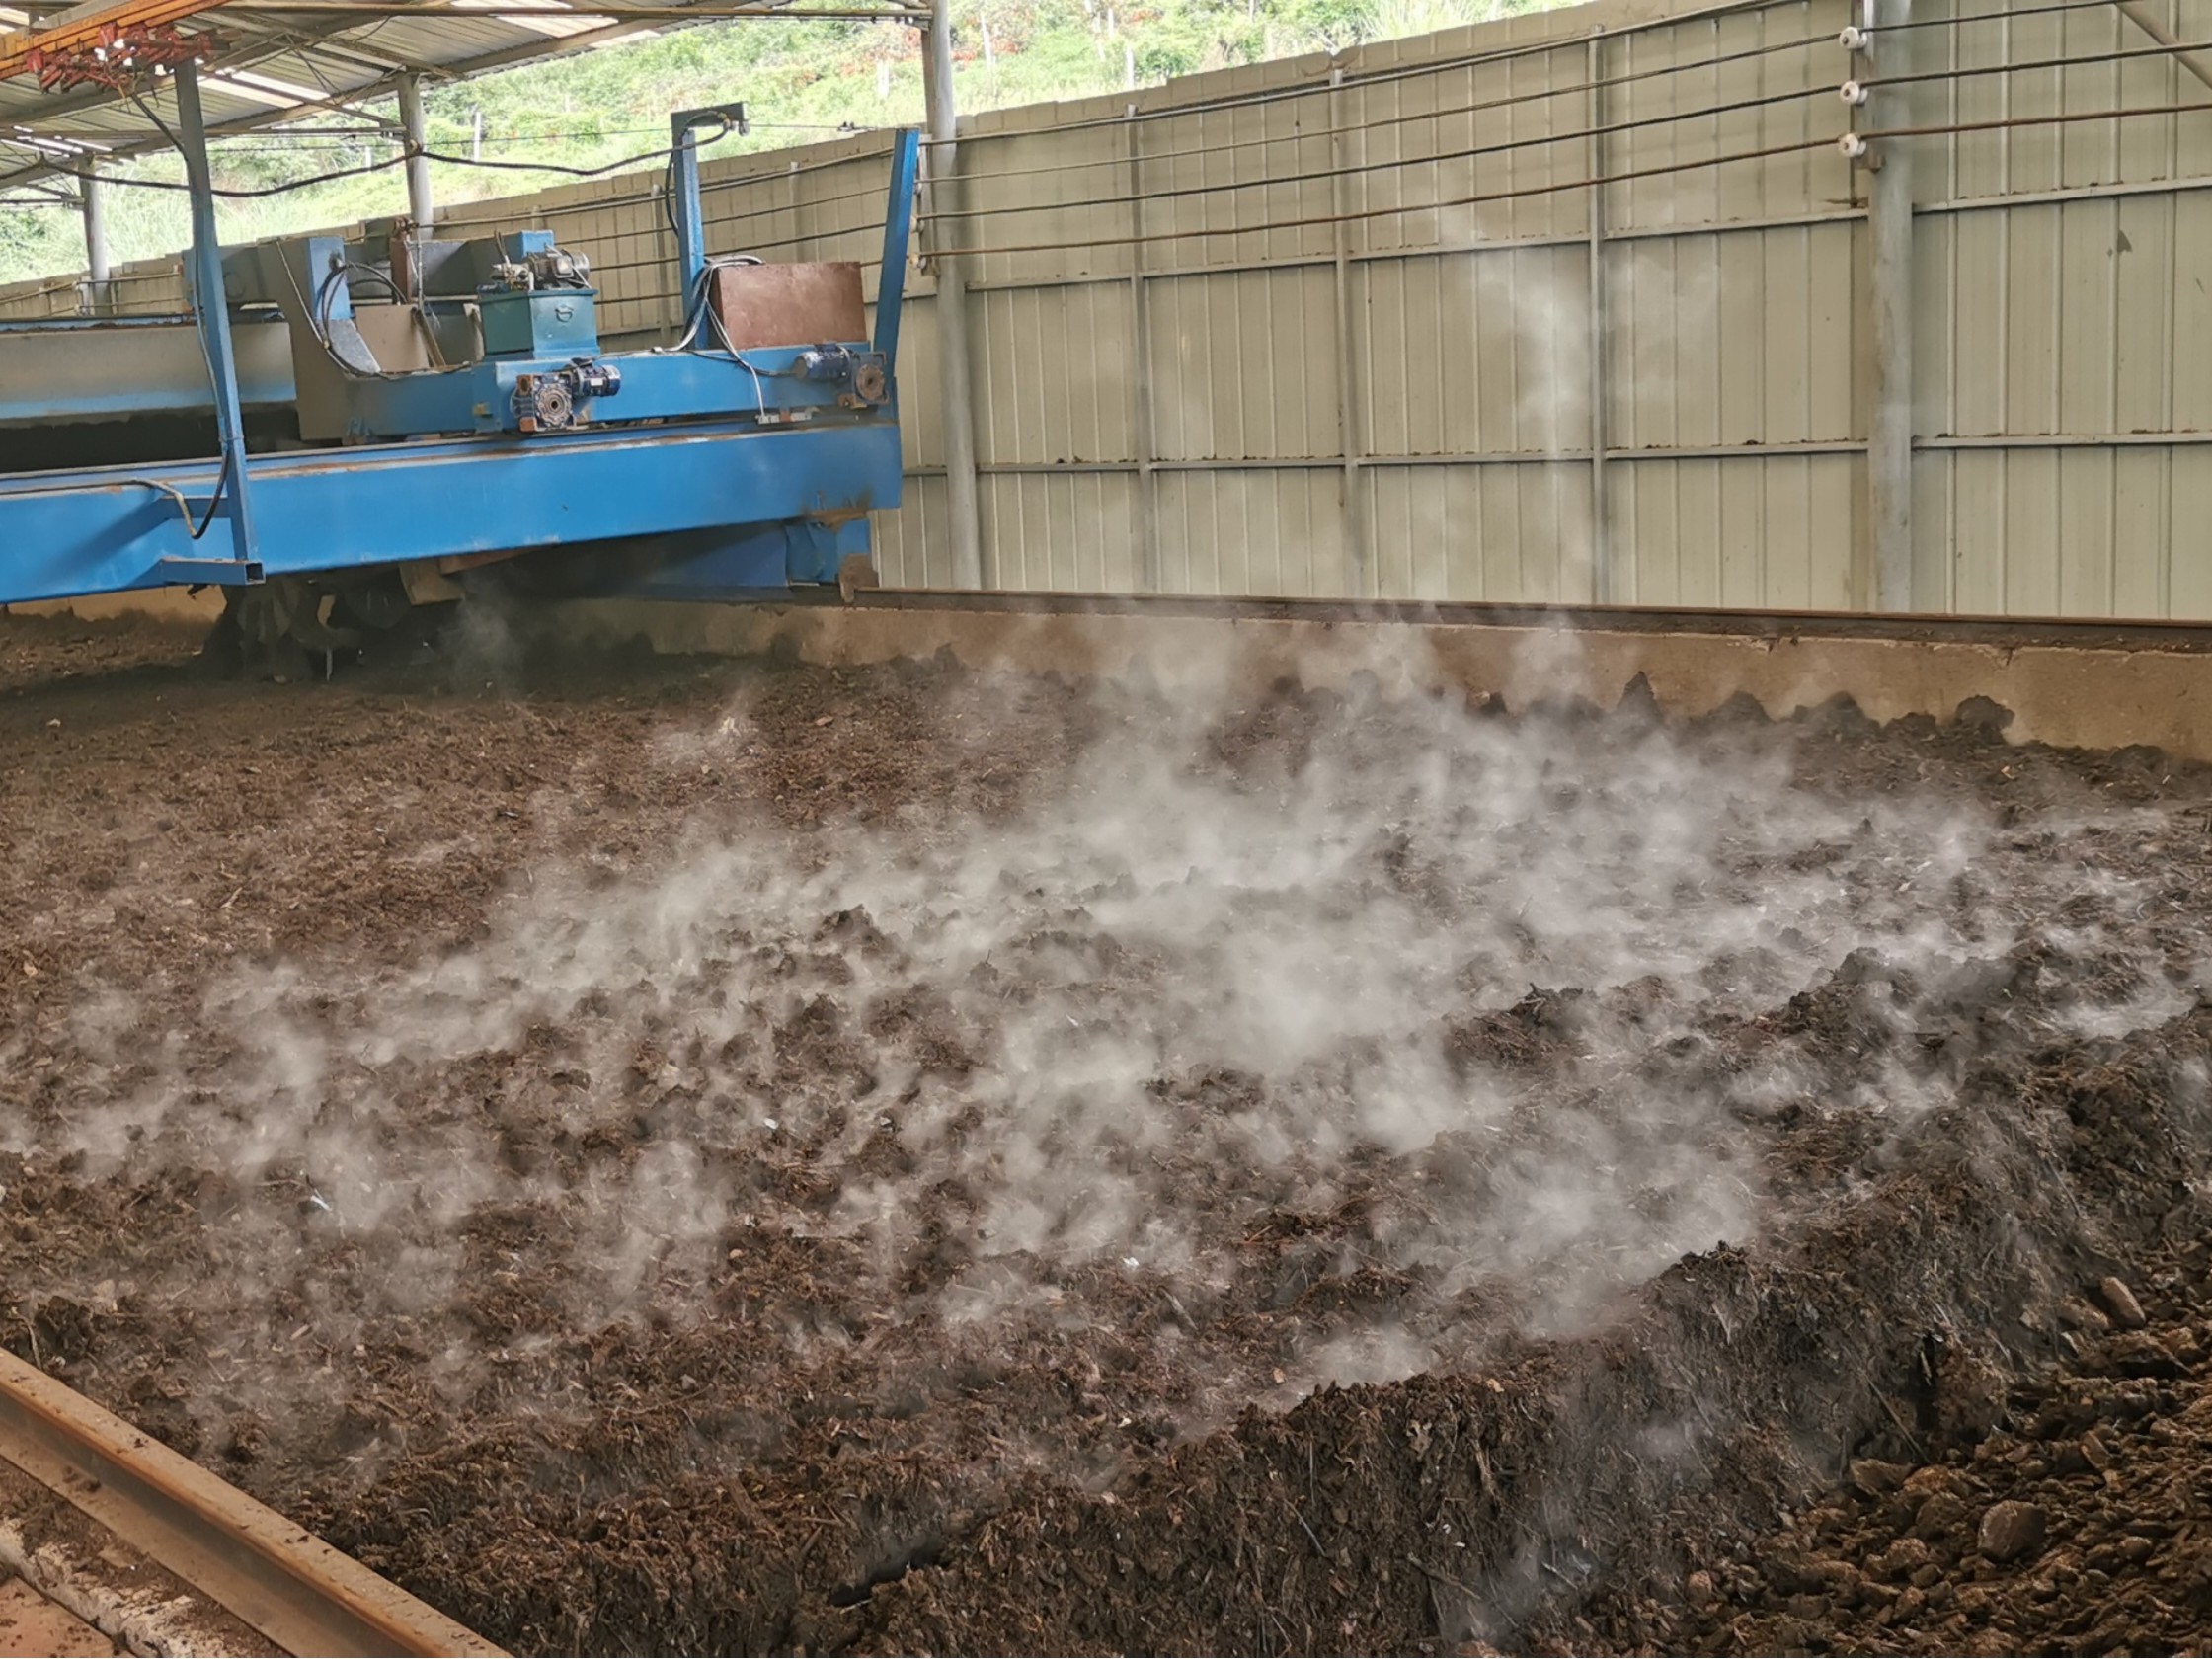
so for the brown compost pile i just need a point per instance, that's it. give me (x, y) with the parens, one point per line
(686, 1156)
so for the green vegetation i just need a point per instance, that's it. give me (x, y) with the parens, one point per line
(800, 81)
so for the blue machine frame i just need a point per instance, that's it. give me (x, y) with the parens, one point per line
(745, 472)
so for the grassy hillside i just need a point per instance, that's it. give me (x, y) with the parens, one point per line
(800, 81)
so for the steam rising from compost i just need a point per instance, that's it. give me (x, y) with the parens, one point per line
(1397, 1024)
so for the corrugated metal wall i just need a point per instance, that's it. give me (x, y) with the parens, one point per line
(1362, 326)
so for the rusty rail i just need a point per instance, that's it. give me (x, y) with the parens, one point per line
(287, 1584)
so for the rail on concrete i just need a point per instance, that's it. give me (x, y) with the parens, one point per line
(2075, 685)
(2068, 682)
(287, 1584)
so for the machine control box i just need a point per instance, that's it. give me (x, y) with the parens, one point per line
(538, 322)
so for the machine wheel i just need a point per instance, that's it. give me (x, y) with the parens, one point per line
(378, 605)
(277, 630)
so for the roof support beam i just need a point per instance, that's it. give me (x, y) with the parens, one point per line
(708, 11)
(81, 25)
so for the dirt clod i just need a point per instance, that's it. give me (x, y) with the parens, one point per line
(2011, 1529)
(2120, 1301)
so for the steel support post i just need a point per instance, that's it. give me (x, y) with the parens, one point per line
(1148, 574)
(92, 200)
(1359, 541)
(1889, 225)
(1600, 541)
(212, 310)
(688, 209)
(420, 207)
(965, 519)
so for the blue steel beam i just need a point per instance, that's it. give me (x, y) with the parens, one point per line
(97, 371)
(104, 370)
(898, 222)
(234, 503)
(761, 478)
(655, 386)
(683, 199)
(107, 530)
(760, 561)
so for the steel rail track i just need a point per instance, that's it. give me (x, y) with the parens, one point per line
(269, 1572)
(2001, 632)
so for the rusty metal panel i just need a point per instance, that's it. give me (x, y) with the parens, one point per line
(787, 304)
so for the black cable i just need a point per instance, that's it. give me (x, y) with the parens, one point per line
(1361, 169)
(552, 166)
(222, 193)
(667, 172)
(184, 507)
(319, 321)
(160, 126)
(2123, 54)
(259, 191)
(214, 502)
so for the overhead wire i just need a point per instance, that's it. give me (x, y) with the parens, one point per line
(2005, 14)
(2070, 118)
(1577, 135)
(1135, 199)
(240, 193)
(1552, 186)
(1383, 77)
(1478, 198)
(713, 187)
(1580, 135)
(1468, 200)
(1261, 97)
(342, 140)
(1274, 95)
(1269, 96)
(1404, 119)
(2081, 60)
